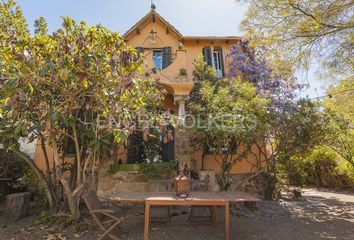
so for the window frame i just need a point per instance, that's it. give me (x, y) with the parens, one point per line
(217, 64)
(160, 67)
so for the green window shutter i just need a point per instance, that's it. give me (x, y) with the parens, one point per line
(221, 59)
(140, 50)
(166, 57)
(207, 56)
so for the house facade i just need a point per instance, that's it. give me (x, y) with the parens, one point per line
(170, 57)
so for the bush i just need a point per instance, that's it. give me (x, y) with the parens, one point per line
(291, 171)
(18, 168)
(158, 170)
(30, 183)
(321, 168)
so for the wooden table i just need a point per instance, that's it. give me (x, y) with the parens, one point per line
(213, 199)
(194, 199)
(128, 197)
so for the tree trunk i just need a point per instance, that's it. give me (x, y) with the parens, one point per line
(202, 168)
(73, 204)
(17, 206)
(48, 172)
(78, 157)
(72, 193)
(49, 192)
(270, 190)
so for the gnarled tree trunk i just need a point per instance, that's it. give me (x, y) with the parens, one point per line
(49, 190)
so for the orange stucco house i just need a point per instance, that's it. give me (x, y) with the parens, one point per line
(172, 55)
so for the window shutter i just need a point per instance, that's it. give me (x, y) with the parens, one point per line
(221, 60)
(207, 56)
(166, 57)
(140, 50)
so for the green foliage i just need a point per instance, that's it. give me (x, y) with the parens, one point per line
(322, 167)
(301, 127)
(183, 72)
(233, 106)
(304, 30)
(81, 82)
(341, 100)
(86, 68)
(152, 147)
(12, 22)
(347, 169)
(158, 170)
(17, 167)
(32, 184)
(202, 72)
(339, 135)
(227, 115)
(40, 26)
(290, 171)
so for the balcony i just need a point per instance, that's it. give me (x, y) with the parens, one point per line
(177, 77)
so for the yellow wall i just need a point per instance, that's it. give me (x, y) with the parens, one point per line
(39, 158)
(213, 162)
(185, 58)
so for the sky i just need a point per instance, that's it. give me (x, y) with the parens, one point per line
(190, 17)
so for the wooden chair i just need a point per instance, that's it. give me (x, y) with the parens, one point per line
(161, 186)
(200, 186)
(104, 217)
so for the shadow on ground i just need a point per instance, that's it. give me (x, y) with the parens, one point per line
(315, 216)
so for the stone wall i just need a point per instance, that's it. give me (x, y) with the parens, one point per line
(130, 181)
(238, 182)
(109, 184)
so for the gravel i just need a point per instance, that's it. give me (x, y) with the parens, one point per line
(319, 214)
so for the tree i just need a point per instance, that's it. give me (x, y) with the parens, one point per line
(339, 135)
(81, 83)
(339, 106)
(12, 22)
(295, 129)
(225, 116)
(276, 83)
(290, 126)
(304, 30)
(341, 99)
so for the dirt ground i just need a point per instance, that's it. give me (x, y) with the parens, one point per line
(319, 214)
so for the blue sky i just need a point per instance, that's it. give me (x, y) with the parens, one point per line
(190, 17)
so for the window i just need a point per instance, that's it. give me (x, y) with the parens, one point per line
(157, 58)
(215, 59)
(162, 58)
(217, 63)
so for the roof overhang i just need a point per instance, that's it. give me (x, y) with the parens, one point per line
(152, 15)
(213, 39)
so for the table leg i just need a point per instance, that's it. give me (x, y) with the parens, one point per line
(147, 221)
(227, 221)
(213, 215)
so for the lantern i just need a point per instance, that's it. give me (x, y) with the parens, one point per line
(182, 183)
